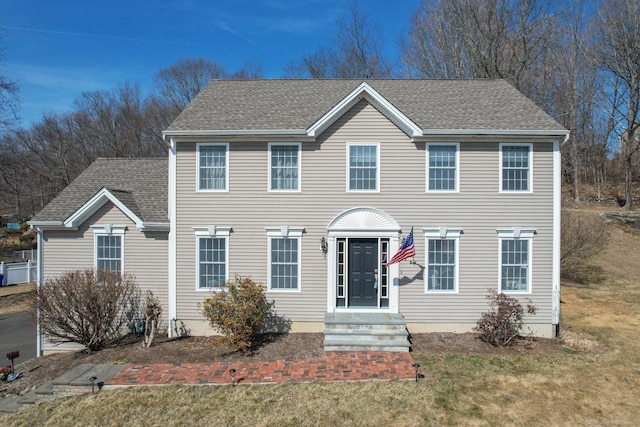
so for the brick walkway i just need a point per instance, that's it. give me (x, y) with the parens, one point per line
(333, 366)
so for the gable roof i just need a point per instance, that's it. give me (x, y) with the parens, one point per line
(228, 107)
(136, 186)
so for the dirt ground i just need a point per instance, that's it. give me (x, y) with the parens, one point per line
(288, 347)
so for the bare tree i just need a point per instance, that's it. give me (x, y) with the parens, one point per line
(619, 58)
(507, 39)
(357, 52)
(9, 101)
(573, 96)
(180, 82)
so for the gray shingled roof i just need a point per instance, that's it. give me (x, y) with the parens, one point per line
(141, 184)
(297, 104)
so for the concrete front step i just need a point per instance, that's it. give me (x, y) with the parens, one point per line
(365, 332)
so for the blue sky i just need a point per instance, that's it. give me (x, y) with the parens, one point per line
(55, 50)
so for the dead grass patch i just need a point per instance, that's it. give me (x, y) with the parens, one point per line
(15, 298)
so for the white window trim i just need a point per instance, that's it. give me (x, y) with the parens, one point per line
(226, 169)
(218, 233)
(510, 234)
(378, 166)
(108, 230)
(448, 234)
(278, 144)
(457, 186)
(289, 233)
(520, 144)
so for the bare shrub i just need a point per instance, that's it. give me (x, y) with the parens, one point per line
(152, 313)
(582, 237)
(239, 311)
(84, 306)
(504, 321)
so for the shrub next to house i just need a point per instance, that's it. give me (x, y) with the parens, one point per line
(85, 306)
(239, 310)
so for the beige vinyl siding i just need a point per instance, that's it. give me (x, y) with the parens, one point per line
(145, 253)
(479, 209)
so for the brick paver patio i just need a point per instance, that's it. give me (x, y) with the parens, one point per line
(333, 366)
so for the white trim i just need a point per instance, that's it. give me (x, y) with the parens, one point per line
(235, 132)
(278, 144)
(284, 232)
(211, 232)
(500, 132)
(557, 227)
(378, 166)
(530, 183)
(363, 218)
(364, 91)
(226, 167)
(457, 183)
(172, 252)
(442, 233)
(108, 230)
(516, 233)
(96, 202)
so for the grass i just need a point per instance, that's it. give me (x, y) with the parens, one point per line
(15, 298)
(596, 381)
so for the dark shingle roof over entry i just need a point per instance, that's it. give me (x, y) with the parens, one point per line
(297, 104)
(141, 184)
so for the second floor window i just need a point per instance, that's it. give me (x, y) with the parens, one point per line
(516, 167)
(212, 167)
(363, 167)
(442, 167)
(284, 169)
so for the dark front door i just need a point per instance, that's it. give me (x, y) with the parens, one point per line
(363, 264)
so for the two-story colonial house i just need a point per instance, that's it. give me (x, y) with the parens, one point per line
(310, 186)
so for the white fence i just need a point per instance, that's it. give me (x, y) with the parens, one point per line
(18, 272)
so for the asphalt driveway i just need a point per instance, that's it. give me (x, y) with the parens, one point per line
(17, 333)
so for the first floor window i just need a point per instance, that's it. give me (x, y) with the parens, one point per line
(514, 265)
(441, 272)
(442, 265)
(109, 253)
(212, 262)
(284, 263)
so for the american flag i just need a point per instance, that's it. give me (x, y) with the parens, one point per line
(406, 250)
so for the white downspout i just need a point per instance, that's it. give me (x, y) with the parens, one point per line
(557, 227)
(172, 282)
(39, 279)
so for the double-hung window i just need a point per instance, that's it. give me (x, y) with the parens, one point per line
(363, 167)
(109, 248)
(213, 171)
(515, 260)
(212, 257)
(515, 167)
(284, 167)
(442, 167)
(442, 259)
(284, 258)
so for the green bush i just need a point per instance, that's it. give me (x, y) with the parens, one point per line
(504, 322)
(239, 310)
